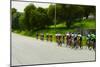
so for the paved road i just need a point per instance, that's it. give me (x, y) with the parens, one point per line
(27, 50)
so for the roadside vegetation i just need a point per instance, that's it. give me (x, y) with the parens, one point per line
(69, 18)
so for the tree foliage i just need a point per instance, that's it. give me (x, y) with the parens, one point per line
(69, 13)
(34, 18)
(15, 17)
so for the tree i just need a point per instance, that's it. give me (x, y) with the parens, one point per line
(39, 20)
(22, 22)
(45, 20)
(89, 10)
(15, 17)
(69, 13)
(51, 12)
(13, 10)
(28, 16)
(41, 10)
(35, 18)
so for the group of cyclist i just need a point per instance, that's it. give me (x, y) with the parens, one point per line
(48, 36)
(91, 39)
(73, 40)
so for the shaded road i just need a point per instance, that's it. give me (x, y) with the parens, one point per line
(27, 50)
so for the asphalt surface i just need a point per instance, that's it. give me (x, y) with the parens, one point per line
(28, 50)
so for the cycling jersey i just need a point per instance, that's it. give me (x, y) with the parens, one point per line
(93, 37)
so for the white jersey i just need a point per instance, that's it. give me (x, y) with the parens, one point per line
(72, 35)
(88, 35)
(67, 34)
(79, 35)
(59, 34)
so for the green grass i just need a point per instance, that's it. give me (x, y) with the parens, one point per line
(58, 26)
(86, 24)
(90, 24)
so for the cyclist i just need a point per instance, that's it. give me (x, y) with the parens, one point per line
(75, 40)
(93, 39)
(56, 37)
(88, 40)
(79, 40)
(50, 36)
(42, 36)
(67, 38)
(70, 39)
(59, 40)
(63, 38)
(47, 36)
